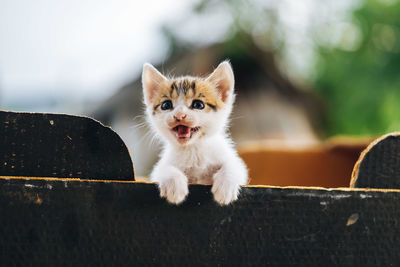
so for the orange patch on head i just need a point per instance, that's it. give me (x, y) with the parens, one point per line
(209, 95)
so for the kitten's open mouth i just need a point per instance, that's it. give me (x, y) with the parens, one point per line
(184, 132)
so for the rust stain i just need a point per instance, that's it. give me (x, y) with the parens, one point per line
(38, 200)
(352, 219)
(27, 197)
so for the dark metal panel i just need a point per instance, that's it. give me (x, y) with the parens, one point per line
(56, 145)
(379, 164)
(83, 223)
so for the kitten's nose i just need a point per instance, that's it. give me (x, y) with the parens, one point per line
(180, 116)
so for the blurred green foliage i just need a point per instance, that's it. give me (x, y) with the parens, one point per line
(359, 77)
(357, 74)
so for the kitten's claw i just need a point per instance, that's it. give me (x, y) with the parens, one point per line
(225, 191)
(174, 190)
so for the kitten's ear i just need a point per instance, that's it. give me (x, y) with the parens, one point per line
(223, 79)
(151, 81)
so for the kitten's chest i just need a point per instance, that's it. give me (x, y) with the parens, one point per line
(201, 175)
(199, 167)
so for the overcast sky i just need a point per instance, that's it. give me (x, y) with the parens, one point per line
(77, 50)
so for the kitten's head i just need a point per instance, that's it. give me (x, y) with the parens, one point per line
(186, 109)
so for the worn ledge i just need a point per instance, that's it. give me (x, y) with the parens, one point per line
(86, 222)
(68, 180)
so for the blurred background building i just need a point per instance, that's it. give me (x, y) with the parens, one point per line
(305, 70)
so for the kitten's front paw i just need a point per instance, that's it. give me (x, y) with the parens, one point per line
(174, 190)
(225, 191)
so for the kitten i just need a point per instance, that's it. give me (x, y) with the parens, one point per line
(190, 115)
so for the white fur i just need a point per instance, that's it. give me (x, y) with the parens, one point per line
(208, 157)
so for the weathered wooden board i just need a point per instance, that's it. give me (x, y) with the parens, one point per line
(87, 223)
(379, 164)
(56, 145)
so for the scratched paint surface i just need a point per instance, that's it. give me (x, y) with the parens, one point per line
(82, 223)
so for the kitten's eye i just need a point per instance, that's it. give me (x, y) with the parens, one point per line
(167, 104)
(197, 104)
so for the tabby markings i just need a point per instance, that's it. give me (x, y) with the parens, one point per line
(183, 86)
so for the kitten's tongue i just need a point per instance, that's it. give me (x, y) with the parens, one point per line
(183, 131)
